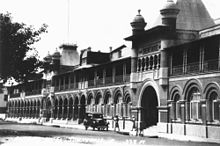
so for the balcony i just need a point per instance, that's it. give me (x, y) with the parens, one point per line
(15, 95)
(33, 92)
(196, 68)
(109, 81)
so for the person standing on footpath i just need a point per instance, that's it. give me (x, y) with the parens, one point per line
(116, 123)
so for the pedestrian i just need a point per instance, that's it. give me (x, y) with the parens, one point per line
(134, 126)
(116, 123)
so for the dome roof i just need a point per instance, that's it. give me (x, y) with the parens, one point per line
(139, 18)
(56, 54)
(169, 5)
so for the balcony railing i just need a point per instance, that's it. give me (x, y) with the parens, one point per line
(33, 92)
(197, 67)
(109, 81)
(14, 95)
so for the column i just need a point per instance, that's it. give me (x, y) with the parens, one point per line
(133, 58)
(113, 73)
(124, 72)
(219, 56)
(201, 58)
(185, 61)
(171, 63)
(104, 76)
(58, 109)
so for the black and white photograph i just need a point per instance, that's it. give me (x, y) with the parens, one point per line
(110, 72)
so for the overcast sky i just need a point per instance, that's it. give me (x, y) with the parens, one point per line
(95, 23)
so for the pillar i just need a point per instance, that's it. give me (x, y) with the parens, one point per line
(185, 61)
(201, 59)
(163, 76)
(219, 56)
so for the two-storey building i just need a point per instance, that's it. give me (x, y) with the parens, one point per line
(168, 79)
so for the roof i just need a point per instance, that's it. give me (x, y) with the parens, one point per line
(119, 48)
(193, 15)
(157, 29)
(193, 42)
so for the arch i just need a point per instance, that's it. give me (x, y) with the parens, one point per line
(65, 106)
(60, 107)
(75, 106)
(127, 104)
(175, 90)
(82, 108)
(107, 96)
(145, 84)
(210, 88)
(149, 104)
(189, 85)
(48, 109)
(56, 104)
(90, 98)
(107, 101)
(117, 95)
(127, 96)
(149, 101)
(70, 107)
(98, 98)
(212, 101)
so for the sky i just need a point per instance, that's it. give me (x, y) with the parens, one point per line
(98, 24)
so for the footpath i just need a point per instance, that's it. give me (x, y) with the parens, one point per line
(151, 132)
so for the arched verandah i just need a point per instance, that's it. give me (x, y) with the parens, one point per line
(149, 104)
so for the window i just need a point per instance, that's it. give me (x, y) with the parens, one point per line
(119, 54)
(175, 106)
(213, 107)
(195, 106)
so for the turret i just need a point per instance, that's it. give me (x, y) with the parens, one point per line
(56, 60)
(169, 14)
(138, 24)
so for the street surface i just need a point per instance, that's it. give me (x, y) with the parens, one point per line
(30, 135)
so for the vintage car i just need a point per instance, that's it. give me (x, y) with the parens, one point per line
(95, 120)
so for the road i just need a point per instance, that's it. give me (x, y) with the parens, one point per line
(31, 135)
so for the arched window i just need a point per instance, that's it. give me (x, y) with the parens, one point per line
(107, 104)
(213, 107)
(90, 103)
(176, 106)
(98, 104)
(127, 106)
(194, 105)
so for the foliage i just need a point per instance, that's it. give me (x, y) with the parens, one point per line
(17, 43)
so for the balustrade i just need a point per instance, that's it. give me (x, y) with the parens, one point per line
(208, 66)
(146, 63)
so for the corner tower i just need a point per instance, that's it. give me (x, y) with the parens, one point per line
(138, 24)
(169, 14)
(193, 15)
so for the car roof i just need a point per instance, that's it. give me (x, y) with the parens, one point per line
(96, 113)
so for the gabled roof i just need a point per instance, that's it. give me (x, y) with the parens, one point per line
(193, 15)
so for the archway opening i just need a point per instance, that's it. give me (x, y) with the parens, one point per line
(107, 105)
(56, 108)
(149, 103)
(70, 108)
(65, 112)
(75, 111)
(98, 104)
(82, 108)
(48, 110)
(60, 110)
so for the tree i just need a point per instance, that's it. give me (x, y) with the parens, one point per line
(17, 41)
